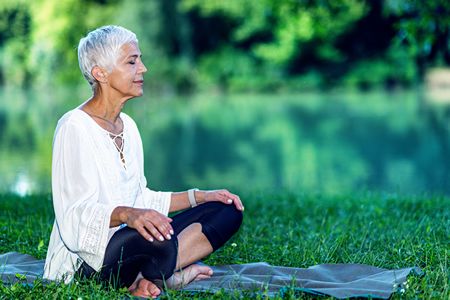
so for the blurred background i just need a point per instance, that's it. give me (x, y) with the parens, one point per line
(334, 96)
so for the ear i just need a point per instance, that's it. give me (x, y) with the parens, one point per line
(99, 74)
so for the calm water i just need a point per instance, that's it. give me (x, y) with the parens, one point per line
(328, 143)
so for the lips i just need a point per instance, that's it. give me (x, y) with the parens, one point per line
(139, 83)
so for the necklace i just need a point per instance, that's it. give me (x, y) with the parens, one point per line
(107, 121)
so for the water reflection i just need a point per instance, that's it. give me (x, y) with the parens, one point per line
(22, 185)
(330, 143)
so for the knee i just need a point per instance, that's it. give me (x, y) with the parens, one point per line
(162, 259)
(223, 224)
(234, 216)
(228, 216)
(167, 248)
(169, 255)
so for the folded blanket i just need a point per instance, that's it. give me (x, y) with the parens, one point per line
(337, 280)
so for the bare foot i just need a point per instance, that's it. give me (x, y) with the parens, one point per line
(187, 275)
(142, 287)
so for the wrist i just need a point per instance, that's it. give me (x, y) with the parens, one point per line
(200, 196)
(123, 214)
(119, 216)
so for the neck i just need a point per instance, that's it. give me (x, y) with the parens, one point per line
(105, 112)
(105, 105)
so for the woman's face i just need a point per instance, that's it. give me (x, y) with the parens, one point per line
(127, 77)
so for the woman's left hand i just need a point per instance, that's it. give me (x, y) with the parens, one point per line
(224, 196)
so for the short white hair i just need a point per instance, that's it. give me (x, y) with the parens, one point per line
(101, 47)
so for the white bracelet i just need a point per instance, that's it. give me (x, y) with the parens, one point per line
(191, 196)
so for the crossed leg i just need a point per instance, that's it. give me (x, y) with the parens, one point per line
(200, 231)
(137, 263)
(192, 246)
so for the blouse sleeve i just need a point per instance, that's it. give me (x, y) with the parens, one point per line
(159, 201)
(82, 219)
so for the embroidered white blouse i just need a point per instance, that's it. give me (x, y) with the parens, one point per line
(89, 180)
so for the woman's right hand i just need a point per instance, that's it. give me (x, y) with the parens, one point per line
(148, 222)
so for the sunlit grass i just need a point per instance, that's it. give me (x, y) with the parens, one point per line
(387, 231)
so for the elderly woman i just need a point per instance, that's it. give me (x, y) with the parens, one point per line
(108, 224)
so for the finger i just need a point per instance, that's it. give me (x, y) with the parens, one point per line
(164, 226)
(164, 229)
(145, 233)
(236, 200)
(170, 229)
(239, 203)
(228, 198)
(153, 231)
(162, 223)
(224, 193)
(228, 195)
(232, 199)
(224, 197)
(169, 226)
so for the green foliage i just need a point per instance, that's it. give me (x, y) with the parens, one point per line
(229, 69)
(163, 35)
(385, 72)
(298, 230)
(299, 26)
(252, 17)
(14, 42)
(425, 27)
(255, 45)
(58, 27)
(41, 36)
(279, 34)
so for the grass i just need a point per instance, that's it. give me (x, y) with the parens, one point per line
(388, 231)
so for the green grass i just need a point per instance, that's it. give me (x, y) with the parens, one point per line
(388, 231)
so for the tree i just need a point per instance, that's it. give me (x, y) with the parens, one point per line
(278, 30)
(15, 29)
(424, 28)
(39, 38)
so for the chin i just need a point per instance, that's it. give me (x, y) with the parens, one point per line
(138, 94)
(134, 95)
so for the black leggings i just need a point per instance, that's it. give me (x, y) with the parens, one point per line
(128, 253)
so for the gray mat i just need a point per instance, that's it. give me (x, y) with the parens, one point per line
(337, 280)
(18, 267)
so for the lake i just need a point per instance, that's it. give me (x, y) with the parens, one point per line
(330, 143)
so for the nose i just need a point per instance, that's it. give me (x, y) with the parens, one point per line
(143, 69)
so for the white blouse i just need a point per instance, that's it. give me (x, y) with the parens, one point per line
(89, 180)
